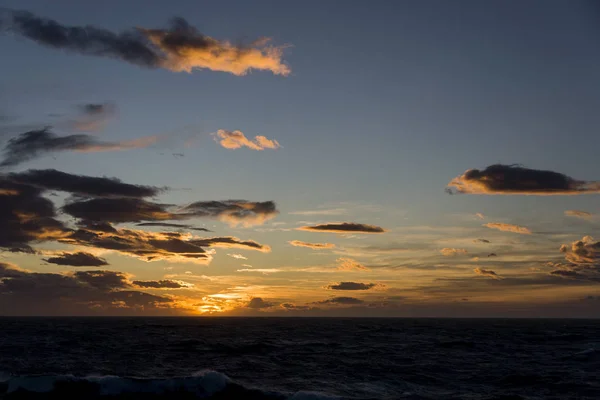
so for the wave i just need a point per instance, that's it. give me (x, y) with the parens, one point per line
(206, 384)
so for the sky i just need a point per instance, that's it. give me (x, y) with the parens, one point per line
(267, 158)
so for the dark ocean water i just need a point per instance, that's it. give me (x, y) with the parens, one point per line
(298, 358)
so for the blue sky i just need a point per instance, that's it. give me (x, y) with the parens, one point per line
(384, 105)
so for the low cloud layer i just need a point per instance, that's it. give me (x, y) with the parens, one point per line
(315, 246)
(352, 286)
(343, 227)
(181, 47)
(236, 139)
(508, 228)
(79, 293)
(36, 143)
(79, 259)
(258, 303)
(514, 179)
(486, 272)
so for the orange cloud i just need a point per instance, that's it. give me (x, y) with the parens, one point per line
(508, 228)
(449, 251)
(236, 139)
(299, 243)
(348, 264)
(486, 272)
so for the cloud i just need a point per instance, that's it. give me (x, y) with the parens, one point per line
(179, 48)
(79, 259)
(33, 144)
(258, 303)
(230, 242)
(162, 284)
(261, 270)
(351, 286)
(343, 227)
(238, 256)
(486, 272)
(315, 246)
(51, 179)
(514, 179)
(79, 293)
(171, 225)
(584, 252)
(348, 264)
(118, 210)
(508, 228)
(94, 116)
(26, 217)
(480, 215)
(449, 251)
(236, 139)
(234, 212)
(341, 301)
(481, 241)
(579, 214)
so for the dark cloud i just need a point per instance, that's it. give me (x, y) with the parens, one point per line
(179, 48)
(97, 108)
(481, 241)
(352, 286)
(51, 179)
(79, 259)
(170, 225)
(234, 212)
(162, 284)
(486, 272)
(343, 227)
(341, 300)
(258, 303)
(118, 210)
(129, 46)
(563, 273)
(492, 255)
(26, 217)
(35, 143)
(81, 293)
(514, 179)
(231, 242)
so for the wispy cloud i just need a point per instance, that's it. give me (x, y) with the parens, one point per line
(343, 227)
(349, 264)
(508, 228)
(316, 246)
(238, 256)
(514, 179)
(579, 214)
(486, 272)
(450, 251)
(236, 139)
(181, 47)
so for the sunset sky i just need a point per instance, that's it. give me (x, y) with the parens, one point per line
(314, 158)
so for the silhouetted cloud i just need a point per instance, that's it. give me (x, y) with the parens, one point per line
(481, 241)
(170, 225)
(352, 286)
(236, 139)
(258, 303)
(179, 48)
(508, 228)
(230, 242)
(51, 179)
(79, 293)
(449, 251)
(343, 227)
(33, 144)
(26, 217)
(514, 179)
(94, 116)
(162, 284)
(118, 210)
(341, 301)
(486, 272)
(348, 264)
(79, 259)
(234, 212)
(578, 214)
(316, 246)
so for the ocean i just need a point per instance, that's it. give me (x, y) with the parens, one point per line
(298, 358)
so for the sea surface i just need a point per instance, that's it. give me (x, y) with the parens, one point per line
(298, 358)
